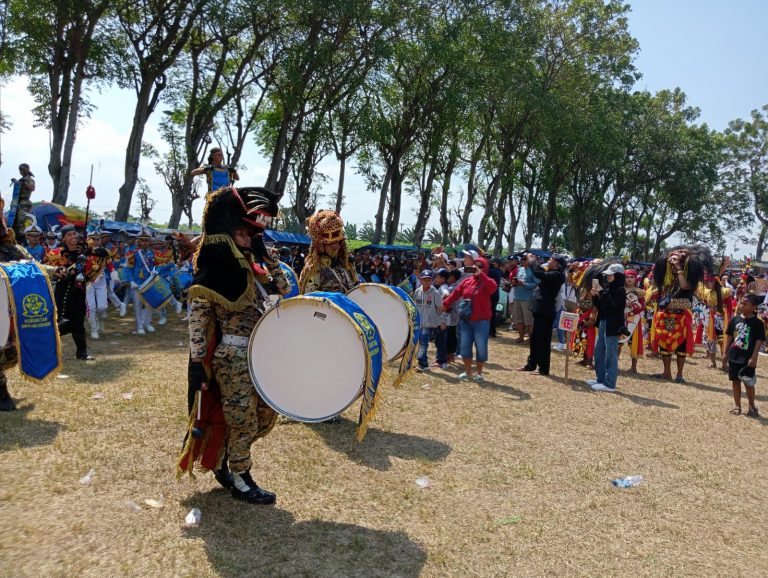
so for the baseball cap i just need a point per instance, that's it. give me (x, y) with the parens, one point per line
(613, 269)
(472, 253)
(442, 272)
(426, 273)
(748, 380)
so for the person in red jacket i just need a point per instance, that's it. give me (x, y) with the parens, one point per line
(478, 290)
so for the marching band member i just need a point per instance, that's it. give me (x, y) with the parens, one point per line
(51, 240)
(229, 294)
(70, 260)
(327, 266)
(140, 262)
(33, 235)
(99, 271)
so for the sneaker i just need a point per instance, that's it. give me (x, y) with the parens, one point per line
(178, 307)
(103, 315)
(85, 357)
(123, 309)
(140, 331)
(479, 378)
(592, 382)
(248, 491)
(463, 377)
(94, 334)
(558, 347)
(444, 366)
(601, 387)
(162, 321)
(149, 328)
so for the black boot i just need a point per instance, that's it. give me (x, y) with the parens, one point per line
(224, 476)
(6, 402)
(249, 491)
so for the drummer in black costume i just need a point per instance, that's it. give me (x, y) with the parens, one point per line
(228, 297)
(327, 267)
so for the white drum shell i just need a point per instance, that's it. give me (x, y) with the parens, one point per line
(307, 359)
(388, 312)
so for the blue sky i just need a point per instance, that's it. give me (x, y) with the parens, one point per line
(715, 50)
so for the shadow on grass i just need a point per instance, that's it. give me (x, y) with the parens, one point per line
(17, 431)
(513, 392)
(578, 385)
(100, 369)
(246, 540)
(726, 389)
(378, 446)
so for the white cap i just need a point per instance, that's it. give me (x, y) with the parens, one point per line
(33, 229)
(472, 253)
(613, 269)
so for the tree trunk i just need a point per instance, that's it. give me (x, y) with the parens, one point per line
(146, 99)
(760, 249)
(62, 191)
(277, 154)
(383, 194)
(445, 223)
(424, 204)
(393, 217)
(340, 188)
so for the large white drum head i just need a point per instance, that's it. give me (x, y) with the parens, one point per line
(307, 359)
(387, 311)
(5, 314)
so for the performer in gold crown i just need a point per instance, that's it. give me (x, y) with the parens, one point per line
(327, 267)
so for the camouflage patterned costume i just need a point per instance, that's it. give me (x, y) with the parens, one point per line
(248, 418)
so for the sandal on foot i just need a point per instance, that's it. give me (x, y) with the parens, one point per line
(736, 410)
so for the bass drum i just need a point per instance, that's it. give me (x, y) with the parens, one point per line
(389, 311)
(308, 356)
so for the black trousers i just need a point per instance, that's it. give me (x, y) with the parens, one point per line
(540, 344)
(70, 302)
(452, 340)
(494, 313)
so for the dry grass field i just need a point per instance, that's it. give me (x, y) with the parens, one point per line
(520, 470)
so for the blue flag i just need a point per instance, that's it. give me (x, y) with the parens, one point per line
(34, 317)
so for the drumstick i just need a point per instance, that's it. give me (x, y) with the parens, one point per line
(197, 431)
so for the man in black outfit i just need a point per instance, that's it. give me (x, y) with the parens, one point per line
(551, 278)
(70, 288)
(495, 273)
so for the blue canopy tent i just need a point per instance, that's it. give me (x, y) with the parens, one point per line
(389, 248)
(540, 253)
(287, 238)
(117, 226)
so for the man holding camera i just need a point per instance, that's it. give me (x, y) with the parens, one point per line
(217, 174)
(551, 277)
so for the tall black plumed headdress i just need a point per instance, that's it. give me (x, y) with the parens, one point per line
(696, 261)
(221, 270)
